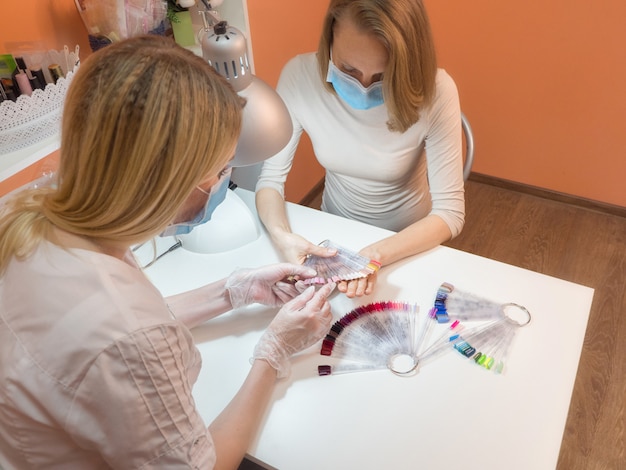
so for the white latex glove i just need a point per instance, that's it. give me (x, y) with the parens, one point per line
(300, 323)
(270, 285)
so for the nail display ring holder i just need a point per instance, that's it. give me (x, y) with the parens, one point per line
(521, 318)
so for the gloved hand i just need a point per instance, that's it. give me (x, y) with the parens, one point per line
(269, 285)
(300, 323)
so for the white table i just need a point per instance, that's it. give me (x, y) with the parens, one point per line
(451, 415)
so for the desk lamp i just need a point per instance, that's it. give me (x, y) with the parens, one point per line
(266, 130)
(266, 122)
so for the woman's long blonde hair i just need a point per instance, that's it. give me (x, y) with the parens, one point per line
(402, 26)
(144, 122)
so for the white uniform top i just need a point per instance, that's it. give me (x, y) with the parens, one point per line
(388, 179)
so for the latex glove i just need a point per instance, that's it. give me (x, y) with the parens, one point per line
(296, 248)
(271, 285)
(300, 323)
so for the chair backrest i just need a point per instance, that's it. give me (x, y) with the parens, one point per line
(469, 147)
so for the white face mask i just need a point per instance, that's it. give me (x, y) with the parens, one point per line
(352, 92)
(217, 194)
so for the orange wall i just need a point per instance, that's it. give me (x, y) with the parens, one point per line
(541, 82)
(51, 23)
(40, 25)
(280, 29)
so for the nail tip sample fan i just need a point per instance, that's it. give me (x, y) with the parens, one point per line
(489, 343)
(381, 335)
(370, 336)
(346, 265)
(392, 335)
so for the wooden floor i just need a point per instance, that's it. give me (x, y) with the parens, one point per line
(580, 245)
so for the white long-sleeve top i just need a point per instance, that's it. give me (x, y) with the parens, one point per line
(383, 178)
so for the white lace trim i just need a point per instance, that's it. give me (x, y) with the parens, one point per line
(31, 119)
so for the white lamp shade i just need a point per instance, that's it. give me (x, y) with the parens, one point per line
(267, 125)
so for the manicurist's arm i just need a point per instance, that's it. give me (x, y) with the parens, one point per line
(271, 285)
(235, 427)
(299, 324)
(197, 306)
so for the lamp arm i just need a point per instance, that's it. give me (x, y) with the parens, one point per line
(210, 16)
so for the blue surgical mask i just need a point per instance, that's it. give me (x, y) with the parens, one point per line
(352, 92)
(216, 195)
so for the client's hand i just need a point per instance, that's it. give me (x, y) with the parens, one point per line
(365, 285)
(271, 285)
(358, 287)
(299, 324)
(296, 248)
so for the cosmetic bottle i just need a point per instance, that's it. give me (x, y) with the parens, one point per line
(22, 77)
(3, 95)
(23, 83)
(35, 81)
(39, 78)
(8, 88)
(55, 72)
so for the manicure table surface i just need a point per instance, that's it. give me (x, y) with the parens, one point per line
(451, 414)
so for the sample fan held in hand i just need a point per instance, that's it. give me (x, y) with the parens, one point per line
(395, 336)
(344, 266)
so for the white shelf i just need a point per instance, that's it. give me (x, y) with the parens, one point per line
(14, 162)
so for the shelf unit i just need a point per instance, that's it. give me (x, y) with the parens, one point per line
(14, 162)
(235, 11)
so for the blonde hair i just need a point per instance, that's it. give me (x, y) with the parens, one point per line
(144, 122)
(403, 28)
